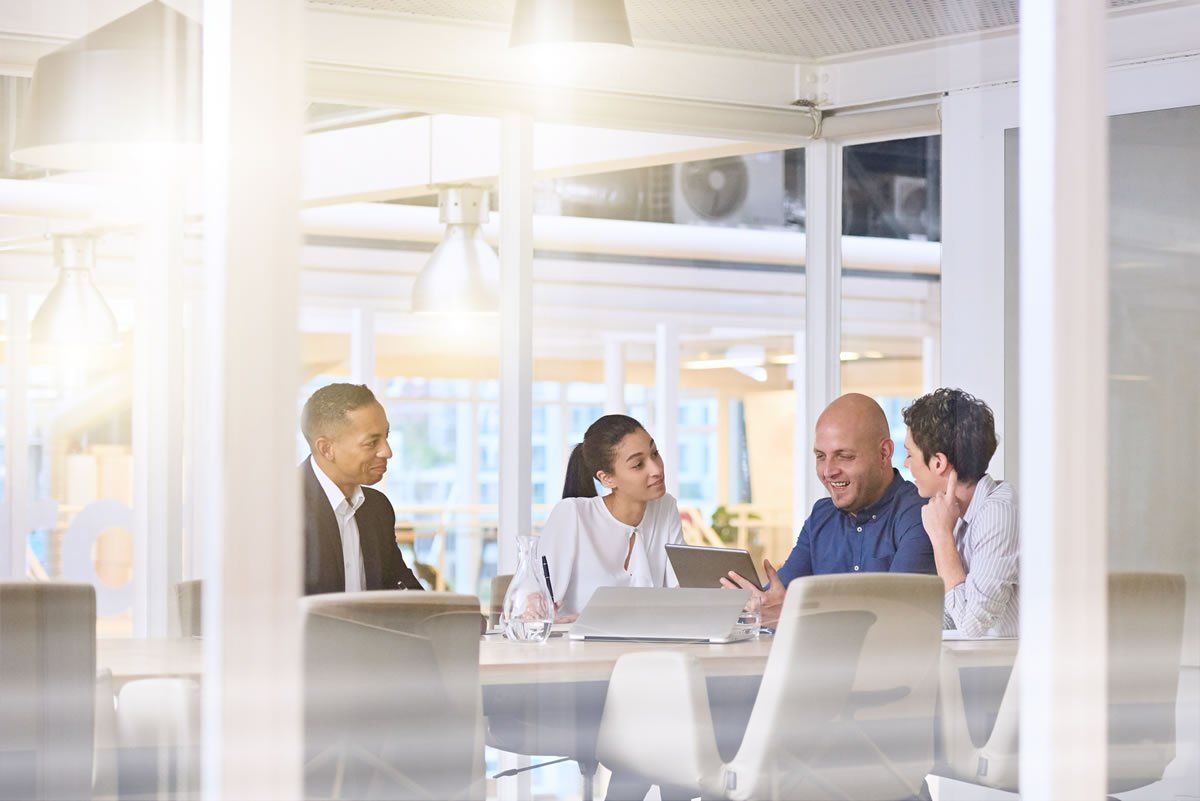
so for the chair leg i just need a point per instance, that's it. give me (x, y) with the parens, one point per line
(588, 771)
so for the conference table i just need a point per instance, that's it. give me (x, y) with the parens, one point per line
(504, 663)
(547, 698)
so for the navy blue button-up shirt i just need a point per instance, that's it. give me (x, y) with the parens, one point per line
(887, 536)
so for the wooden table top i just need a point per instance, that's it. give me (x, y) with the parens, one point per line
(504, 662)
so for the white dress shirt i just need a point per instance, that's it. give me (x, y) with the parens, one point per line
(344, 509)
(586, 548)
(987, 604)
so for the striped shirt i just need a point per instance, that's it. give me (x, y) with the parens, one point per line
(988, 542)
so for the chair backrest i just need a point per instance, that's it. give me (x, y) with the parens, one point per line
(158, 731)
(846, 707)
(1145, 639)
(47, 689)
(392, 698)
(496, 605)
(188, 602)
(104, 763)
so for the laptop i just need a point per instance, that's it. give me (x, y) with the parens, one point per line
(663, 614)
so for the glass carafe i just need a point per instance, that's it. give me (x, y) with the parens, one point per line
(528, 611)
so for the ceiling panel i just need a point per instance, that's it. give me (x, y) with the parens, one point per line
(790, 28)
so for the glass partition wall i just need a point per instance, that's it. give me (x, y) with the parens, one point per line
(692, 259)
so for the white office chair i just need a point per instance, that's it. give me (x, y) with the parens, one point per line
(845, 710)
(158, 734)
(1145, 637)
(392, 697)
(186, 605)
(104, 761)
(47, 689)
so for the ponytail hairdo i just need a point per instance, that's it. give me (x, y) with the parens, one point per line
(595, 453)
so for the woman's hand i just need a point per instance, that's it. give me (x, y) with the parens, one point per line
(566, 618)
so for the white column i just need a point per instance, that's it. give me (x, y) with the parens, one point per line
(516, 335)
(253, 120)
(196, 451)
(614, 376)
(822, 299)
(362, 348)
(802, 466)
(931, 363)
(1063, 400)
(973, 250)
(158, 409)
(17, 429)
(666, 400)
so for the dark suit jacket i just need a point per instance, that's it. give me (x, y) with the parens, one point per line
(324, 568)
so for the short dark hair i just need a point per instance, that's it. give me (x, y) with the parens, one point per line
(596, 453)
(328, 407)
(957, 424)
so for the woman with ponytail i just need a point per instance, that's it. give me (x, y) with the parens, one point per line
(617, 539)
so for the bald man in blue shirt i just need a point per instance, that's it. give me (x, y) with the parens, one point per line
(871, 521)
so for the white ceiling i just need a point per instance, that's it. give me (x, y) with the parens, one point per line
(803, 29)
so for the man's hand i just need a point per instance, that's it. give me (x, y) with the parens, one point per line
(941, 514)
(770, 601)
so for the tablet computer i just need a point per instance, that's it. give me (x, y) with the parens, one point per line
(702, 566)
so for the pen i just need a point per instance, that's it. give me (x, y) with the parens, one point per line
(546, 573)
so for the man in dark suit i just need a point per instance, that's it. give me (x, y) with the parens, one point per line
(349, 528)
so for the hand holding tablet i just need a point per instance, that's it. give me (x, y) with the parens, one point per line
(704, 567)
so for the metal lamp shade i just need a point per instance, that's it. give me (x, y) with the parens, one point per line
(547, 21)
(461, 276)
(120, 95)
(74, 313)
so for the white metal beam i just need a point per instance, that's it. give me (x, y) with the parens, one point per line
(823, 299)
(1063, 400)
(252, 746)
(516, 336)
(407, 157)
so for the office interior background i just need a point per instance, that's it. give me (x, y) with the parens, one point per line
(755, 208)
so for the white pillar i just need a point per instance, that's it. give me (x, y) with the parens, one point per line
(17, 429)
(802, 466)
(253, 121)
(516, 335)
(196, 450)
(1063, 400)
(362, 348)
(822, 299)
(931, 362)
(158, 409)
(614, 376)
(666, 400)
(973, 334)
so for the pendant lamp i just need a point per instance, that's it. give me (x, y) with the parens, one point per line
(554, 21)
(463, 272)
(74, 313)
(119, 96)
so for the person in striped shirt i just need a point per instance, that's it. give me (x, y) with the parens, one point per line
(971, 518)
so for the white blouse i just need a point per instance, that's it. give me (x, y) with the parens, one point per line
(586, 547)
